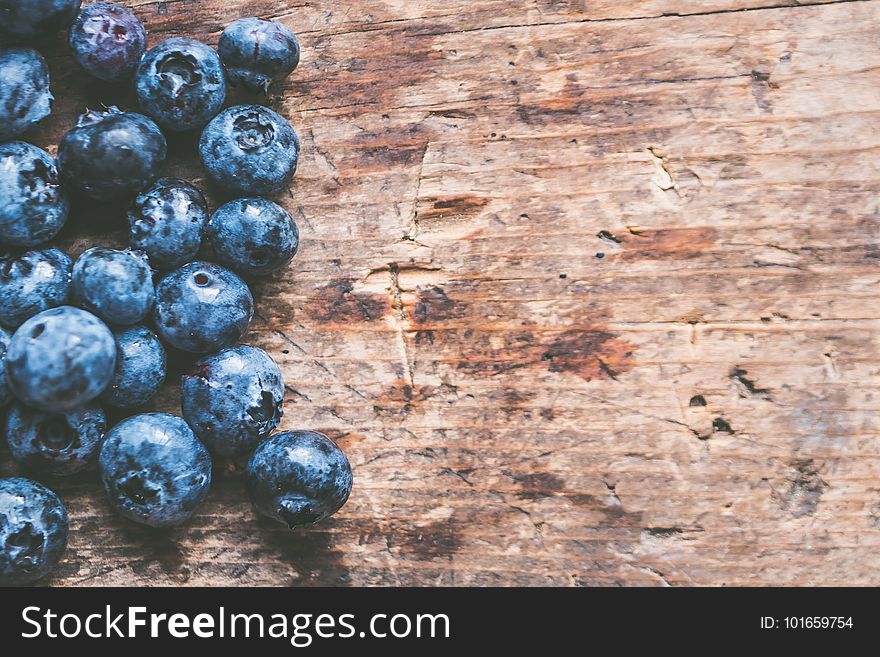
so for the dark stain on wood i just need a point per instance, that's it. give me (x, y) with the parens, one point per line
(434, 306)
(458, 206)
(804, 491)
(538, 484)
(438, 540)
(590, 354)
(659, 243)
(335, 302)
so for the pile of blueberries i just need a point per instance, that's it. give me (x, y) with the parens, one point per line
(81, 337)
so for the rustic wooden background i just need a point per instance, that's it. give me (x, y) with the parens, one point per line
(588, 292)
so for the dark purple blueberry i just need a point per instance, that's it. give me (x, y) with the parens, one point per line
(167, 222)
(107, 41)
(33, 204)
(115, 285)
(55, 443)
(233, 399)
(298, 478)
(27, 20)
(60, 359)
(5, 394)
(257, 52)
(24, 89)
(31, 282)
(112, 154)
(140, 368)
(181, 84)
(202, 307)
(154, 470)
(33, 531)
(253, 236)
(249, 150)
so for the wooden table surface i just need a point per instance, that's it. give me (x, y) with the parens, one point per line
(587, 291)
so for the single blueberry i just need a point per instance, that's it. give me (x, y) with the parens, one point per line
(167, 222)
(115, 285)
(33, 531)
(35, 19)
(55, 443)
(298, 478)
(154, 470)
(33, 204)
(111, 154)
(233, 399)
(249, 150)
(107, 41)
(140, 368)
(257, 52)
(5, 394)
(24, 89)
(181, 84)
(253, 236)
(32, 282)
(202, 307)
(60, 359)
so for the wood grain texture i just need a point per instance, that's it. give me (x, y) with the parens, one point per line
(588, 292)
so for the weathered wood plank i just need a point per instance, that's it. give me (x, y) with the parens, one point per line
(696, 405)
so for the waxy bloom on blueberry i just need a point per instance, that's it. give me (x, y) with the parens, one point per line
(31, 282)
(140, 368)
(154, 470)
(107, 41)
(55, 443)
(60, 359)
(257, 52)
(233, 399)
(249, 150)
(33, 531)
(202, 307)
(24, 89)
(298, 478)
(115, 285)
(112, 154)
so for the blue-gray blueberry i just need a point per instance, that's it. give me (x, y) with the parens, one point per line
(55, 443)
(154, 470)
(298, 478)
(257, 52)
(5, 394)
(31, 282)
(141, 366)
(25, 20)
(202, 307)
(33, 204)
(33, 531)
(181, 84)
(253, 236)
(249, 150)
(107, 41)
(111, 154)
(233, 399)
(60, 359)
(115, 285)
(167, 223)
(24, 89)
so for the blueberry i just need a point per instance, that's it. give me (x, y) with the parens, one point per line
(24, 89)
(107, 41)
(167, 222)
(5, 394)
(33, 19)
(33, 205)
(33, 531)
(232, 399)
(257, 52)
(181, 84)
(249, 150)
(140, 368)
(115, 285)
(112, 154)
(202, 307)
(32, 282)
(55, 443)
(60, 359)
(298, 478)
(253, 236)
(154, 469)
